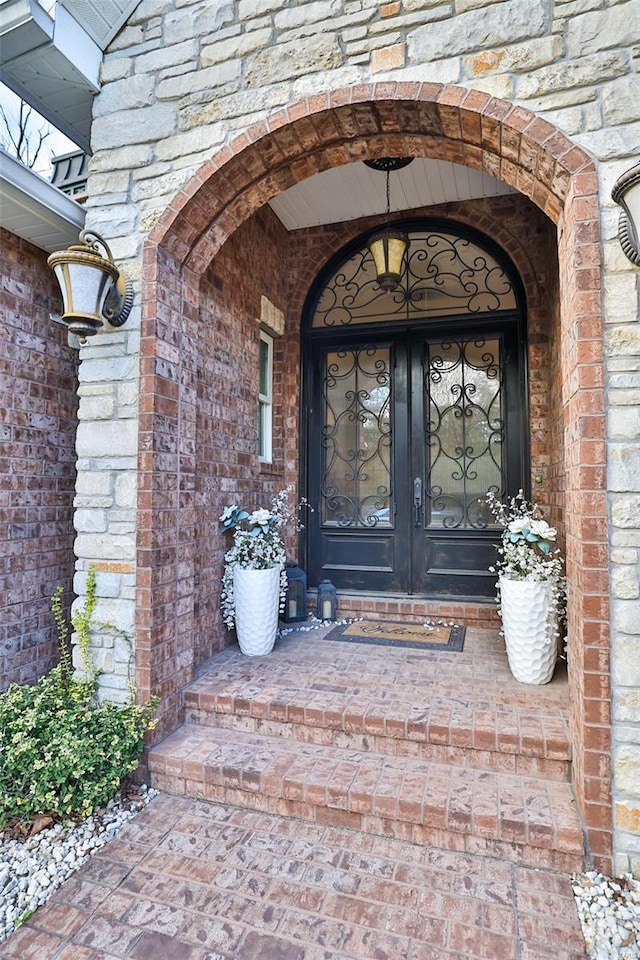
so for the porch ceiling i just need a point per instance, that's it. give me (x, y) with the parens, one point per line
(354, 190)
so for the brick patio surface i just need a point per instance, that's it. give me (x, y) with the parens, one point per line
(192, 880)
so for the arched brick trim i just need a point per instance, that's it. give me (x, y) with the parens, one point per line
(431, 120)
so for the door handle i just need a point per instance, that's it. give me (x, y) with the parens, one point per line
(417, 500)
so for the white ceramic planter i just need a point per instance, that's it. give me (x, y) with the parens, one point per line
(257, 599)
(529, 624)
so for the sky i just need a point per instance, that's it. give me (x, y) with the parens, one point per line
(54, 145)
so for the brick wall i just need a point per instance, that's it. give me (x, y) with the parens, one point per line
(37, 460)
(199, 424)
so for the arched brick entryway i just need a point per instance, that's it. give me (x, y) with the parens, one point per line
(430, 120)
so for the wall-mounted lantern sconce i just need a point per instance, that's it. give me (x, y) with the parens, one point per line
(92, 287)
(626, 192)
(388, 246)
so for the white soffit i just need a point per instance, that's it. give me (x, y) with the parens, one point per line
(354, 190)
(51, 58)
(32, 208)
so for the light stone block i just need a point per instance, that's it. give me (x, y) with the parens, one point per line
(622, 340)
(126, 489)
(118, 69)
(602, 29)
(626, 769)
(624, 467)
(199, 19)
(168, 184)
(103, 546)
(107, 438)
(129, 36)
(247, 9)
(202, 137)
(90, 521)
(131, 92)
(108, 370)
(171, 55)
(96, 408)
(127, 396)
(624, 583)
(519, 58)
(127, 157)
(101, 658)
(150, 8)
(291, 60)
(627, 705)
(235, 47)
(113, 612)
(613, 142)
(624, 422)
(625, 511)
(309, 14)
(212, 78)
(578, 73)
(626, 619)
(134, 126)
(93, 482)
(238, 104)
(123, 652)
(624, 556)
(493, 26)
(621, 100)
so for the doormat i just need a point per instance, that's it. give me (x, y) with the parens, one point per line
(395, 633)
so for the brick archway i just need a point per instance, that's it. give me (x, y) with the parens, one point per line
(429, 120)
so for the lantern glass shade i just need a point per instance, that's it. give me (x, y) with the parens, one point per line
(388, 249)
(295, 605)
(85, 288)
(327, 601)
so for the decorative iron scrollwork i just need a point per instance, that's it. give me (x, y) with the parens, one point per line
(356, 481)
(444, 275)
(464, 431)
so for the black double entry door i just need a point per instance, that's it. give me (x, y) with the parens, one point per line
(407, 432)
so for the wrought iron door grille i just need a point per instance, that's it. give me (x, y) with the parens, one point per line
(464, 431)
(356, 487)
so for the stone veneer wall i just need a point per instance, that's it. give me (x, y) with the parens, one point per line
(181, 80)
(38, 380)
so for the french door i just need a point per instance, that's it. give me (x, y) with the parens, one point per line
(407, 432)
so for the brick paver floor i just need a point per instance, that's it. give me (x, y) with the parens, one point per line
(189, 880)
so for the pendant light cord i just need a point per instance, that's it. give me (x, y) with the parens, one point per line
(388, 201)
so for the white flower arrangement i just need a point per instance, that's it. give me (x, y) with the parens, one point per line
(527, 550)
(257, 545)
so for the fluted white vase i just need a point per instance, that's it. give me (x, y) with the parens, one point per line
(529, 619)
(256, 596)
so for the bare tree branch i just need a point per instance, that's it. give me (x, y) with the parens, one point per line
(22, 136)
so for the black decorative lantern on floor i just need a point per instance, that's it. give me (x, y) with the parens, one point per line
(295, 604)
(327, 601)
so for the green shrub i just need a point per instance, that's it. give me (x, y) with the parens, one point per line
(62, 752)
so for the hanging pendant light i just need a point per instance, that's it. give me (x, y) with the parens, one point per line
(388, 246)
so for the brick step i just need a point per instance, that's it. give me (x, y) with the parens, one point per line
(522, 819)
(443, 731)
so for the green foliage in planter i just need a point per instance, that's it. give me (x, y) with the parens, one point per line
(62, 752)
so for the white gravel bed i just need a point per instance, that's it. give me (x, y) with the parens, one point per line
(609, 912)
(31, 869)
